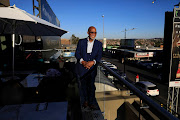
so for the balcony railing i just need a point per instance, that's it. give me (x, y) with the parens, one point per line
(162, 113)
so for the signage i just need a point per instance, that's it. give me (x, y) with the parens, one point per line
(144, 54)
(175, 52)
(174, 84)
(47, 13)
(151, 54)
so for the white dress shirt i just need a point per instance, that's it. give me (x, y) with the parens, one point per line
(89, 49)
(89, 46)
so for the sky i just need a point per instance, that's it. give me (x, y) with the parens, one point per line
(76, 16)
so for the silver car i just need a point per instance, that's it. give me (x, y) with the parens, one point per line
(148, 88)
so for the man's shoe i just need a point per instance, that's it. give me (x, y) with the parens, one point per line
(85, 104)
(93, 107)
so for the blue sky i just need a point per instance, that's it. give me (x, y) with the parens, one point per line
(77, 15)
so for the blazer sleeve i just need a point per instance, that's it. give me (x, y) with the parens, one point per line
(78, 51)
(99, 54)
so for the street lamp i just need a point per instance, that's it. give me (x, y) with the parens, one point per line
(124, 49)
(104, 39)
(103, 26)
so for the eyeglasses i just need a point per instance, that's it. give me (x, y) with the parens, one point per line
(93, 32)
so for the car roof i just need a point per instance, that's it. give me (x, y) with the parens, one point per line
(147, 83)
(109, 64)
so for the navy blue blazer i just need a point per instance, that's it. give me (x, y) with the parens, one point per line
(81, 52)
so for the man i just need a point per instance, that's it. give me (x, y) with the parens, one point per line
(88, 54)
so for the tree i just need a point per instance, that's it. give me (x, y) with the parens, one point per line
(157, 43)
(74, 39)
(139, 43)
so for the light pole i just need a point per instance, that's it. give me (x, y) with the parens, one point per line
(124, 49)
(104, 39)
(103, 26)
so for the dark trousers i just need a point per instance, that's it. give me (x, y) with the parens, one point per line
(88, 89)
(87, 86)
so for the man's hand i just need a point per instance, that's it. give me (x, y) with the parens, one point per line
(89, 64)
(84, 63)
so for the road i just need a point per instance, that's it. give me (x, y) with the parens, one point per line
(144, 75)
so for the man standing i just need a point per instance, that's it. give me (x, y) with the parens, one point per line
(88, 54)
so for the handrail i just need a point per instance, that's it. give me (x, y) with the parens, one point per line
(65, 49)
(162, 112)
(45, 50)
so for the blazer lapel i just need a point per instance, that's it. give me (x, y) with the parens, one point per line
(85, 43)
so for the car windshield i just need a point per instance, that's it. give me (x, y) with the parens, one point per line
(152, 88)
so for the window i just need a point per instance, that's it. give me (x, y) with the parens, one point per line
(3, 40)
(152, 88)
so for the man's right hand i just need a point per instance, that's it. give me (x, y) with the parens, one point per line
(84, 63)
(88, 64)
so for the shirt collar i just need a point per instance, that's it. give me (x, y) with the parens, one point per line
(88, 39)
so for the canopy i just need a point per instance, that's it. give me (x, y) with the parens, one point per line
(15, 20)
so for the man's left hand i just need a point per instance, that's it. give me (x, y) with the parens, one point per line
(89, 64)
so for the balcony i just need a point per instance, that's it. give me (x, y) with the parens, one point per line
(59, 98)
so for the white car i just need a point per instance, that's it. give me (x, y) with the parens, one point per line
(103, 61)
(112, 66)
(147, 87)
(108, 63)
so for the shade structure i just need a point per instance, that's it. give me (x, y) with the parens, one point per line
(16, 21)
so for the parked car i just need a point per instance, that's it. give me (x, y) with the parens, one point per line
(148, 88)
(157, 65)
(112, 66)
(108, 63)
(103, 61)
(149, 65)
(154, 66)
(145, 63)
